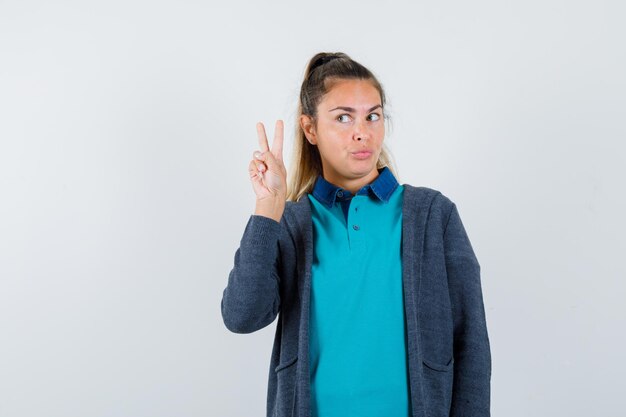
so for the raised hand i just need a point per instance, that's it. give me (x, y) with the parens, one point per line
(268, 173)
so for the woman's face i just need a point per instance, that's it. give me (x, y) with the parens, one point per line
(349, 132)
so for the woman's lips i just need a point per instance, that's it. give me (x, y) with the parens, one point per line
(362, 154)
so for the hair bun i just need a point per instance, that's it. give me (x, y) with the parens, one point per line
(323, 60)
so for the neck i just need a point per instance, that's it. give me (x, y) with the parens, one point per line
(353, 184)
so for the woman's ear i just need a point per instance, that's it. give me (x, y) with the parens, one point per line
(308, 127)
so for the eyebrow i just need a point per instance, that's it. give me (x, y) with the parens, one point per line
(350, 109)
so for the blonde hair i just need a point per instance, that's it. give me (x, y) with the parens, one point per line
(322, 71)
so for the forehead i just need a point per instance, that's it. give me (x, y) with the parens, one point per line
(351, 93)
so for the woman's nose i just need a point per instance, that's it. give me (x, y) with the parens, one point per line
(360, 131)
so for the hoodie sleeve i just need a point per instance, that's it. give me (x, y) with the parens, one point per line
(472, 357)
(251, 299)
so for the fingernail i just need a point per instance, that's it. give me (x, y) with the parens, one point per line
(257, 154)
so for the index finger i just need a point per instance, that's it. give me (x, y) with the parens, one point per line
(277, 144)
(260, 130)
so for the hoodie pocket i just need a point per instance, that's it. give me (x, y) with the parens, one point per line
(439, 367)
(286, 387)
(285, 364)
(438, 379)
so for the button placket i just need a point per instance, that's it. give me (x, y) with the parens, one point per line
(355, 226)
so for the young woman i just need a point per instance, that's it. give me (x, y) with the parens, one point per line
(375, 284)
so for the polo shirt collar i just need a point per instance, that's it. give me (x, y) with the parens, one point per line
(382, 187)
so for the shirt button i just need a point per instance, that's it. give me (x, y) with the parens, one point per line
(339, 193)
(355, 227)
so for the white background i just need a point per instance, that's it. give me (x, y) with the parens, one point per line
(126, 128)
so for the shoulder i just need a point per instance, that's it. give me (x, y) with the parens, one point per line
(433, 202)
(433, 198)
(296, 214)
(298, 207)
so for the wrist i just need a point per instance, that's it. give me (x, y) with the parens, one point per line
(272, 208)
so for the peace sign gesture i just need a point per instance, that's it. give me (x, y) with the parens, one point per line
(268, 173)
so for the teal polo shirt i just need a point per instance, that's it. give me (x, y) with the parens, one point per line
(357, 339)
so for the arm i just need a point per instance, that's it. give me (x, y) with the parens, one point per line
(251, 299)
(472, 356)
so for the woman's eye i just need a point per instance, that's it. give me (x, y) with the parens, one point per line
(346, 117)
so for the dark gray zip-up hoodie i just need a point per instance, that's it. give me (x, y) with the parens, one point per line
(448, 348)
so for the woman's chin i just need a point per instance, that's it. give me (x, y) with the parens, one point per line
(363, 170)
